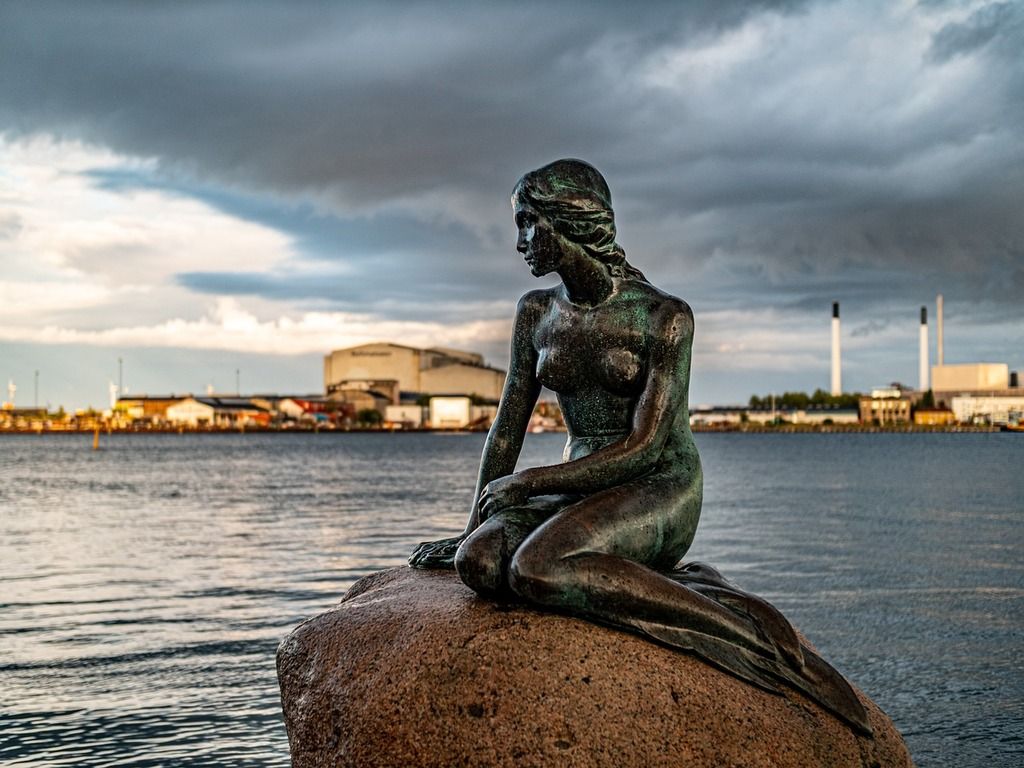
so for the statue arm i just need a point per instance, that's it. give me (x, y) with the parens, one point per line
(654, 418)
(518, 398)
(505, 440)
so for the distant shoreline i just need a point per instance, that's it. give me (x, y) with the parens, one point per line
(730, 429)
(845, 428)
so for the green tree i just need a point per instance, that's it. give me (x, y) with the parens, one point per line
(795, 400)
(821, 397)
(801, 400)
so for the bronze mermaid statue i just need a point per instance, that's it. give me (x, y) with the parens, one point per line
(600, 534)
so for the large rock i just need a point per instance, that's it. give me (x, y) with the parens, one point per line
(413, 669)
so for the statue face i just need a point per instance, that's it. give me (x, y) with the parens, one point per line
(542, 247)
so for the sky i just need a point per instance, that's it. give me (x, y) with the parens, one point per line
(216, 194)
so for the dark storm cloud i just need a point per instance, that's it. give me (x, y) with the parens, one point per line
(372, 100)
(833, 165)
(985, 24)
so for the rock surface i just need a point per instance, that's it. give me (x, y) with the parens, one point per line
(413, 669)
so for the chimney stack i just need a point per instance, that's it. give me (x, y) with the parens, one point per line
(938, 330)
(922, 374)
(837, 376)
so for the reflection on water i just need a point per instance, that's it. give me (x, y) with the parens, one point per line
(144, 587)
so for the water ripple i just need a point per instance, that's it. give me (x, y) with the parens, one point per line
(144, 588)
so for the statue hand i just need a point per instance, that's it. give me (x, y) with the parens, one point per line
(436, 554)
(501, 494)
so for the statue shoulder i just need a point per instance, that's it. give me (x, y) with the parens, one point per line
(664, 307)
(534, 302)
(673, 317)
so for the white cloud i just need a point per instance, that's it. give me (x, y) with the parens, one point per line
(21, 299)
(229, 326)
(87, 265)
(67, 243)
(775, 340)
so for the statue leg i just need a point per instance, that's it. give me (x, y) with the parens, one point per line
(597, 558)
(482, 560)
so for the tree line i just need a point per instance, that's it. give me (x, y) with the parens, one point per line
(802, 401)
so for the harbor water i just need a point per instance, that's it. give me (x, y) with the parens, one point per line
(144, 587)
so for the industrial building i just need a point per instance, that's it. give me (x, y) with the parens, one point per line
(459, 413)
(978, 393)
(999, 410)
(402, 374)
(970, 377)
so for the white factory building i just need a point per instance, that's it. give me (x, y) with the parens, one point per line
(979, 392)
(997, 409)
(970, 377)
(402, 373)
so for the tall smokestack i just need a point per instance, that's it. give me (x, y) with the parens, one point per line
(922, 372)
(837, 374)
(938, 330)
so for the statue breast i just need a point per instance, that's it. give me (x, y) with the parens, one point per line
(620, 371)
(616, 370)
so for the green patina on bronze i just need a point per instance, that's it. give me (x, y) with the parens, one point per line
(600, 534)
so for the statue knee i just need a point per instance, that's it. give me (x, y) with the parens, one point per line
(478, 562)
(532, 577)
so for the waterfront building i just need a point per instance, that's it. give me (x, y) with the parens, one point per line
(449, 412)
(970, 377)
(154, 409)
(724, 416)
(309, 409)
(459, 413)
(996, 409)
(887, 405)
(717, 416)
(356, 397)
(933, 416)
(826, 415)
(145, 407)
(217, 412)
(12, 417)
(986, 392)
(403, 373)
(404, 416)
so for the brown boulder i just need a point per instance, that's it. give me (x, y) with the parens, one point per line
(413, 669)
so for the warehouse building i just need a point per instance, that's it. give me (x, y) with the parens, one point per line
(403, 373)
(970, 377)
(996, 409)
(217, 412)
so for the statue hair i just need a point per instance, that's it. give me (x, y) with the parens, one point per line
(575, 198)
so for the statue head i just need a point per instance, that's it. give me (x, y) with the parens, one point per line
(574, 198)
